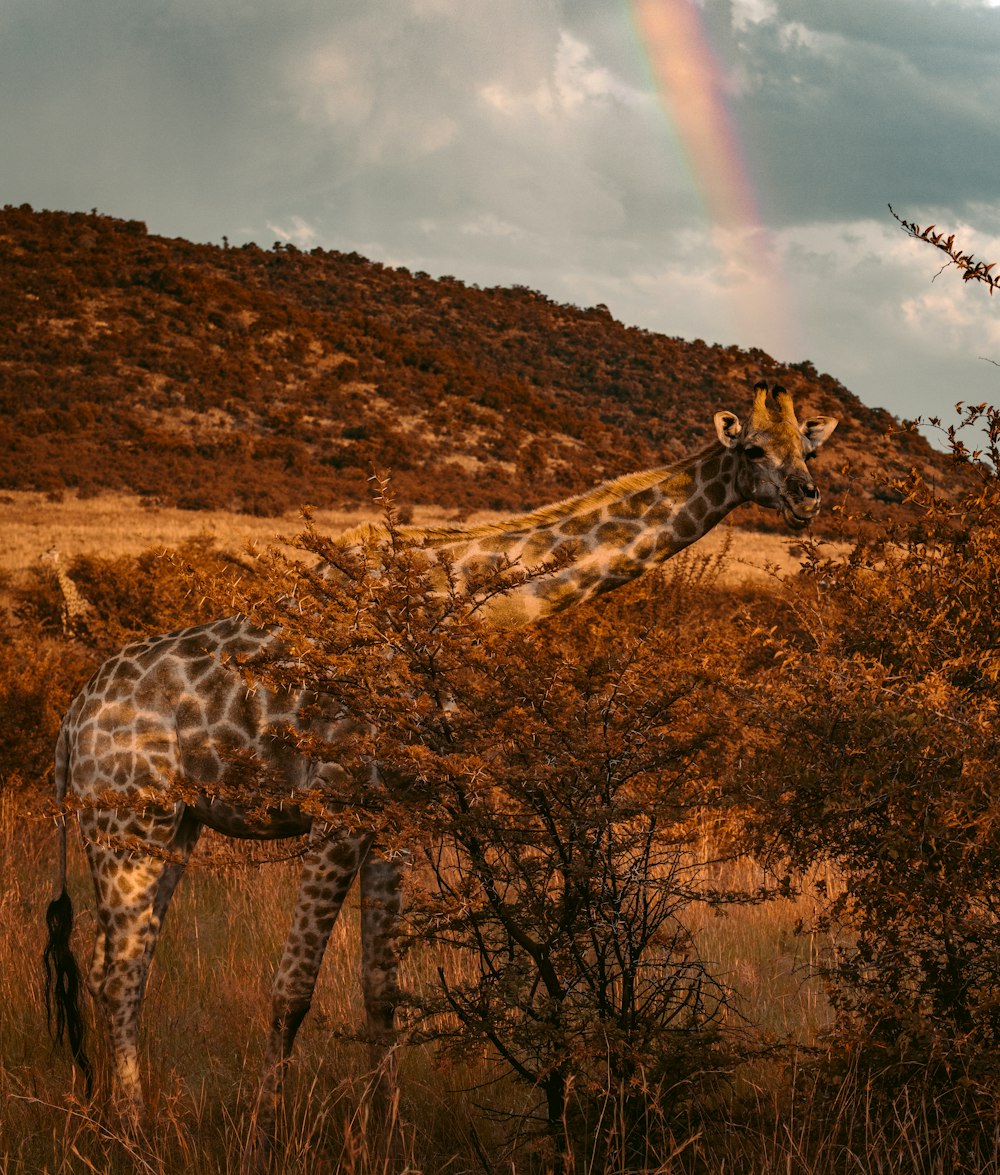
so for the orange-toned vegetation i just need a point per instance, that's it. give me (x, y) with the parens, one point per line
(231, 916)
(844, 722)
(166, 369)
(819, 755)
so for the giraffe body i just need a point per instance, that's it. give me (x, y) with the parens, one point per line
(156, 745)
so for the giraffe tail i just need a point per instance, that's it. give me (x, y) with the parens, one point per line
(62, 973)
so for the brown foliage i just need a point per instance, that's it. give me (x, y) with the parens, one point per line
(170, 370)
(545, 782)
(972, 270)
(877, 723)
(556, 784)
(41, 669)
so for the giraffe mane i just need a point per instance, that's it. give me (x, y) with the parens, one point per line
(607, 491)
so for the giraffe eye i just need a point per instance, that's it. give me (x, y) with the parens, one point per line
(754, 452)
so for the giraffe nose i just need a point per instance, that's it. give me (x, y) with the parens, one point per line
(802, 489)
(810, 498)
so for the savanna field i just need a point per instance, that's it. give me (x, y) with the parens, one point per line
(208, 996)
(704, 873)
(821, 893)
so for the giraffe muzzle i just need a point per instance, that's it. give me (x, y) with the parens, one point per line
(799, 511)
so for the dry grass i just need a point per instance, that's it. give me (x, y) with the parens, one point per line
(119, 524)
(760, 954)
(205, 1019)
(206, 1011)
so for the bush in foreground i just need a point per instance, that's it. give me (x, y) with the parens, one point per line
(547, 793)
(879, 746)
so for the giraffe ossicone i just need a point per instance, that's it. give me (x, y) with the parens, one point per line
(167, 717)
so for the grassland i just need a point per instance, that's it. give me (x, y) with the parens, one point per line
(206, 1012)
(205, 1019)
(120, 524)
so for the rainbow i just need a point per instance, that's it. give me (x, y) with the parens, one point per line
(690, 83)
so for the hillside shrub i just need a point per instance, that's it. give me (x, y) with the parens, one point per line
(878, 747)
(193, 361)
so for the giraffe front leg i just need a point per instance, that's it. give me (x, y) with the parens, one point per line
(328, 869)
(381, 885)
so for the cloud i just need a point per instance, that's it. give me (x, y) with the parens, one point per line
(431, 120)
(488, 225)
(579, 79)
(748, 12)
(518, 141)
(846, 106)
(299, 232)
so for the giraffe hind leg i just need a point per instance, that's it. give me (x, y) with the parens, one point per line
(328, 869)
(381, 892)
(380, 906)
(133, 890)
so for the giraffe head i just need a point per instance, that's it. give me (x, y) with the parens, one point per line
(772, 450)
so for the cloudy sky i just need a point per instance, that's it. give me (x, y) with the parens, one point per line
(715, 169)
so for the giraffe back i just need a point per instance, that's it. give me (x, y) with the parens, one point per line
(173, 719)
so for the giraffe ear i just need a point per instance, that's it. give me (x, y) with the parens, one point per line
(816, 430)
(728, 427)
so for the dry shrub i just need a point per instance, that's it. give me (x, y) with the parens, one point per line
(38, 677)
(41, 668)
(877, 724)
(547, 785)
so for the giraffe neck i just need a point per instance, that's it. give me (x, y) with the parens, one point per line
(610, 535)
(68, 589)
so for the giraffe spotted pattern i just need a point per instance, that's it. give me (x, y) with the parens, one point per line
(161, 742)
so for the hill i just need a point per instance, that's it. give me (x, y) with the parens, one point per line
(209, 377)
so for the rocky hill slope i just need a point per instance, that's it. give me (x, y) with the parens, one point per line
(258, 380)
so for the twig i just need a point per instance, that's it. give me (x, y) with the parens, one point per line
(972, 270)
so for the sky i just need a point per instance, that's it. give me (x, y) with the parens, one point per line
(714, 169)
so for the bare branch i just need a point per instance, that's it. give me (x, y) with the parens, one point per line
(972, 270)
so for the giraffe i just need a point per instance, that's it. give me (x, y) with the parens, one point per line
(76, 610)
(147, 748)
